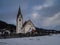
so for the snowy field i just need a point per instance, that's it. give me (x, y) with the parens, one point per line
(40, 40)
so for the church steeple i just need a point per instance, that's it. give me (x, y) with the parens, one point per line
(19, 12)
(19, 22)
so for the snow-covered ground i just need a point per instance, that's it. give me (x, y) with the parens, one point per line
(40, 40)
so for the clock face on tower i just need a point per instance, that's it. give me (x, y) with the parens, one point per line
(19, 19)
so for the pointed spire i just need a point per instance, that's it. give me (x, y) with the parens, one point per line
(19, 12)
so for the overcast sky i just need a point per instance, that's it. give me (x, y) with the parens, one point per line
(43, 13)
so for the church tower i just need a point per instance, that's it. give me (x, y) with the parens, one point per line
(19, 22)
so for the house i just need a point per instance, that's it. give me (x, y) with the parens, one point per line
(4, 33)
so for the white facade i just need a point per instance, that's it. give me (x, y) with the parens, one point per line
(29, 27)
(19, 24)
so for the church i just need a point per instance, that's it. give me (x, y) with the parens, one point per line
(25, 27)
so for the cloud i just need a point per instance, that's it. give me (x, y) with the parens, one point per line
(47, 3)
(34, 15)
(47, 22)
(47, 15)
(52, 21)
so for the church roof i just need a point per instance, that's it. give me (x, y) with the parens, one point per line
(27, 22)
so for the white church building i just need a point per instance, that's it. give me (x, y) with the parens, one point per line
(25, 27)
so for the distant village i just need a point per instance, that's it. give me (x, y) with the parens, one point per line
(21, 29)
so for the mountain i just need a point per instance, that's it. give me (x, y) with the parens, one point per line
(4, 25)
(57, 27)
